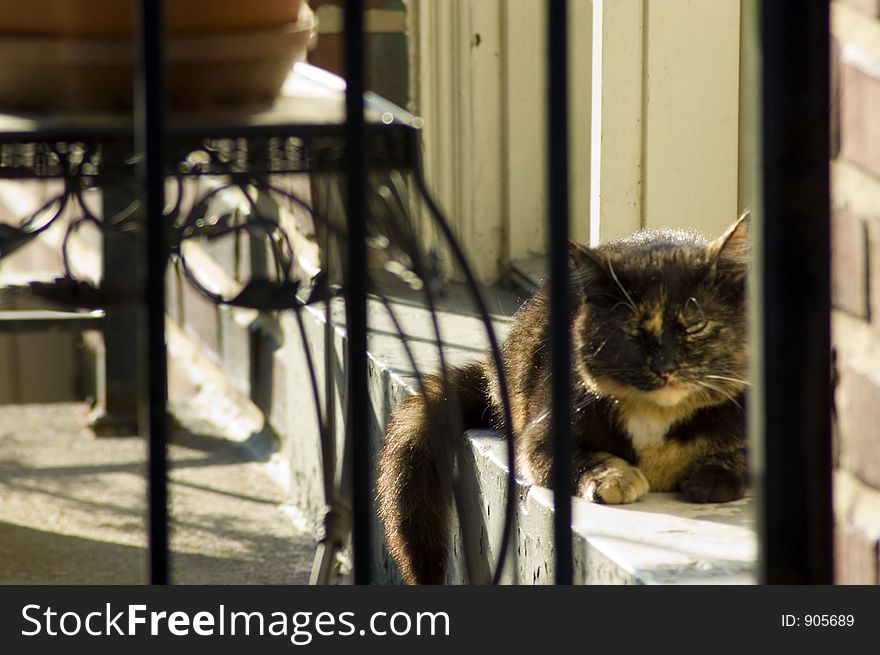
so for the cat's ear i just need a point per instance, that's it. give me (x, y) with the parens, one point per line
(587, 265)
(578, 255)
(733, 245)
(583, 259)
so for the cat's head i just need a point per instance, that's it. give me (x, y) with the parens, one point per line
(660, 316)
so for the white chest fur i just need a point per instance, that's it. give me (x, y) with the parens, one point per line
(647, 429)
(647, 421)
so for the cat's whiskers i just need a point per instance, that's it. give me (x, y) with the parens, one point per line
(720, 391)
(602, 345)
(632, 304)
(625, 304)
(723, 377)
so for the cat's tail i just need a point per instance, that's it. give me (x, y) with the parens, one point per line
(413, 503)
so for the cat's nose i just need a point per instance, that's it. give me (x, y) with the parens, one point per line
(663, 364)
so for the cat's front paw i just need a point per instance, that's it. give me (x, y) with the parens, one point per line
(614, 485)
(712, 483)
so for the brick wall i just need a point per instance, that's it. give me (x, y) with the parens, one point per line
(855, 171)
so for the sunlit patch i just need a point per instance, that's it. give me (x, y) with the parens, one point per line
(615, 482)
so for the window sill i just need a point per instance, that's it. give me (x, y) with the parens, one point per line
(657, 540)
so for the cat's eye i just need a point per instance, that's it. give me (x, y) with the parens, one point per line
(692, 317)
(631, 330)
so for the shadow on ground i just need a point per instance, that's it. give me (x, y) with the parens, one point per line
(72, 507)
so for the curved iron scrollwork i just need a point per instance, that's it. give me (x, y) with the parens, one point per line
(249, 165)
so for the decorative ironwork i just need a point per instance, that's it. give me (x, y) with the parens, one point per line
(249, 160)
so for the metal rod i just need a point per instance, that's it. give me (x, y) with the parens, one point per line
(120, 385)
(150, 147)
(558, 208)
(495, 357)
(357, 419)
(45, 320)
(793, 295)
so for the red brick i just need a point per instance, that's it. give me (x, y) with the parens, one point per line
(849, 264)
(871, 7)
(859, 109)
(835, 421)
(858, 407)
(873, 231)
(855, 558)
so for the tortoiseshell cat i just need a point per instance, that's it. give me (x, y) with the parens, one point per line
(658, 372)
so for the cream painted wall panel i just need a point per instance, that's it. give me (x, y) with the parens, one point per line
(481, 221)
(616, 140)
(656, 82)
(429, 85)
(525, 157)
(580, 40)
(524, 60)
(692, 114)
(458, 93)
(525, 160)
(480, 87)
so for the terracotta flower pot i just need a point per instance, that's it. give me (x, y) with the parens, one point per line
(221, 54)
(114, 18)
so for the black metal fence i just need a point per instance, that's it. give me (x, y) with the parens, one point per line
(790, 395)
(791, 416)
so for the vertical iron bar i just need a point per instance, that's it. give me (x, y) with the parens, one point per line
(357, 420)
(793, 318)
(150, 126)
(557, 185)
(119, 384)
